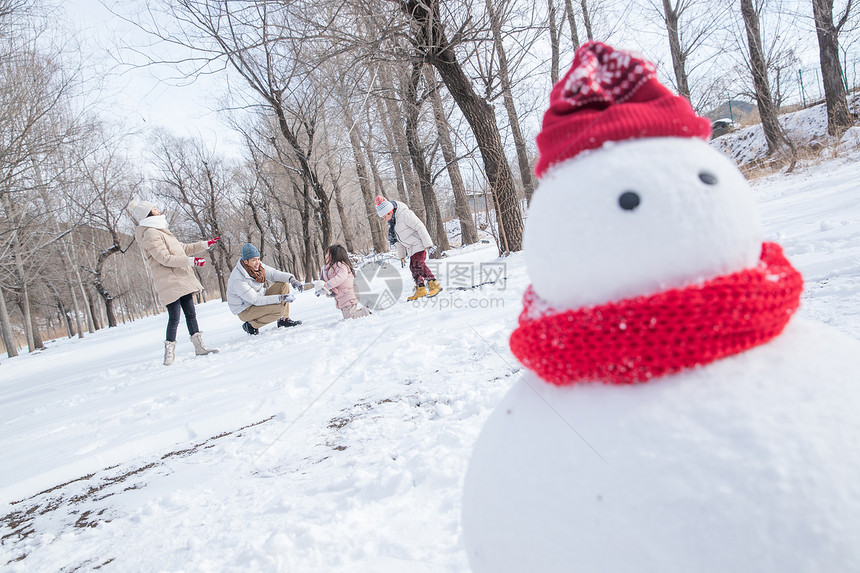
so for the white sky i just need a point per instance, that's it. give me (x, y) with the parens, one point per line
(152, 96)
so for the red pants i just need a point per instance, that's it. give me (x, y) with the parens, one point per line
(419, 269)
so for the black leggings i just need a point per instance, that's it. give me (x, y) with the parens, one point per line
(187, 304)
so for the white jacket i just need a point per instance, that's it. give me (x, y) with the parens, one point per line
(412, 235)
(244, 292)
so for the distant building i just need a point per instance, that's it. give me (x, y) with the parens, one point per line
(477, 200)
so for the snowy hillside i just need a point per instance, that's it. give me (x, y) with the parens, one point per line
(807, 128)
(333, 446)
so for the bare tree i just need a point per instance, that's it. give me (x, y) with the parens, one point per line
(108, 180)
(335, 173)
(689, 27)
(408, 185)
(672, 16)
(198, 182)
(431, 40)
(838, 115)
(554, 36)
(468, 233)
(270, 45)
(773, 132)
(36, 85)
(571, 21)
(586, 19)
(412, 103)
(496, 17)
(380, 243)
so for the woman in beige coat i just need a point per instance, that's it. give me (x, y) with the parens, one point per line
(172, 273)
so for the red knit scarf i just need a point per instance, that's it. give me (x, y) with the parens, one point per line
(637, 339)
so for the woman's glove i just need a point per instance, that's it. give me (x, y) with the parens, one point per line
(211, 242)
(198, 261)
(296, 284)
(282, 298)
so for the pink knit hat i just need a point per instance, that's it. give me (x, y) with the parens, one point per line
(611, 95)
(383, 206)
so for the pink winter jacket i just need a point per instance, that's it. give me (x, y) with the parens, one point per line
(338, 278)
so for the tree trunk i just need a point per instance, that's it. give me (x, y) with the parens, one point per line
(93, 312)
(431, 206)
(77, 309)
(34, 328)
(510, 107)
(73, 260)
(107, 297)
(399, 176)
(217, 261)
(345, 223)
(481, 119)
(24, 304)
(293, 254)
(305, 215)
(63, 314)
(412, 189)
(758, 68)
(6, 329)
(380, 243)
(838, 115)
(574, 33)
(587, 19)
(14, 211)
(367, 146)
(323, 203)
(678, 58)
(344, 220)
(553, 40)
(468, 233)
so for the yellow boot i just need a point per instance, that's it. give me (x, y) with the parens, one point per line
(433, 287)
(419, 292)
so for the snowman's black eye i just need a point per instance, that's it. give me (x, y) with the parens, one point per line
(628, 200)
(708, 178)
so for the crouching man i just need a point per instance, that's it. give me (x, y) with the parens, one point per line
(248, 297)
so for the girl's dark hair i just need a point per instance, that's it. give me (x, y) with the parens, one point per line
(338, 254)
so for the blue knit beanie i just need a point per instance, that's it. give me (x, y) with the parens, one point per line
(249, 251)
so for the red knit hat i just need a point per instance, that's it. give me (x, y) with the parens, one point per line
(611, 95)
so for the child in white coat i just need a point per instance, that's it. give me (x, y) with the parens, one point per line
(411, 239)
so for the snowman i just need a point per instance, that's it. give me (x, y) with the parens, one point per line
(673, 416)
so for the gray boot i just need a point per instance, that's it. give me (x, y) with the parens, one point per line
(169, 352)
(200, 348)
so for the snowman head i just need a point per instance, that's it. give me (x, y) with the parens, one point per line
(631, 200)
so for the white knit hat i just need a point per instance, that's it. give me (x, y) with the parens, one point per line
(140, 210)
(383, 206)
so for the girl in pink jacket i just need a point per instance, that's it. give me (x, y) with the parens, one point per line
(338, 280)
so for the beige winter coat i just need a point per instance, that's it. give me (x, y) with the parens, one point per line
(168, 259)
(412, 235)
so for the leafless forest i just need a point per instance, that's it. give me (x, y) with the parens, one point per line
(432, 102)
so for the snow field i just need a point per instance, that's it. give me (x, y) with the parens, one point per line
(333, 446)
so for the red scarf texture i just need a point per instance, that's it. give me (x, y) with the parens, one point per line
(634, 340)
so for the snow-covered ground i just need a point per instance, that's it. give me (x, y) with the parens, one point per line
(333, 446)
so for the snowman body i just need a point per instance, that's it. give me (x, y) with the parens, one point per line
(750, 463)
